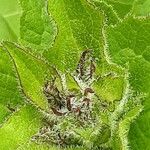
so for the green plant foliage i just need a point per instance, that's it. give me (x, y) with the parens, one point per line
(31, 71)
(132, 48)
(79, 28)
(142, 8)
(74, 75)
(10, 12)
(10, 96)
(20, 127)
(115, 10)
(37, 28)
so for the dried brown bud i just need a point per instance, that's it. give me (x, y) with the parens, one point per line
(56, 112)
(88, 90)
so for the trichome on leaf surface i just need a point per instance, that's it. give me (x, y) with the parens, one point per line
(74, 74)
(74, 110)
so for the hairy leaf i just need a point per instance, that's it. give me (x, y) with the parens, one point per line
(10, 90)
(78, 77)
(129, 43)
(37, 29)
(32, 73)
(20, 127)
(79, 29)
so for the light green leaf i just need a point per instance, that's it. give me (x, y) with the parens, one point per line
(139, 133)
(6, 32)
(142, 8)
(58, 31)
(10, 12)
(10, 93)
(32, 73)
(129, 43)
(110, 85)
(37, 29)
(22, 125)
(121, 7)
(34, 146)
(115, 10)
(79, 29)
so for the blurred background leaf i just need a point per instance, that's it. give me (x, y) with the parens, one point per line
(10, 12)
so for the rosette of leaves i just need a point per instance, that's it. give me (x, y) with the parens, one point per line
(75, 118)
(74, 74)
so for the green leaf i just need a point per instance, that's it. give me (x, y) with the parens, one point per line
(32, 73)
(6, 31)
(10, 93)
(20, 127)
(110, 85)
(37, 28)
(121, 7)
(10, 12)
(33, 146)
(115, 10)
(54, 33)
(79, 29)
(130, 34)
(142, 8)
(139, 133)
(129, 43)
